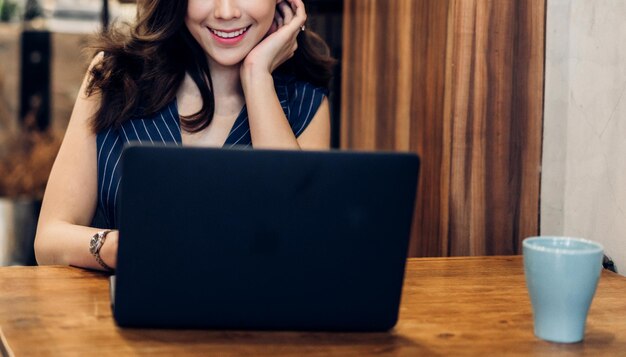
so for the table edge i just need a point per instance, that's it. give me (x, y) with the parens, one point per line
(5, 349)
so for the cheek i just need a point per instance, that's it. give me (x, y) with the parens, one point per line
(262, 10)
(196, 11)
(195, 17)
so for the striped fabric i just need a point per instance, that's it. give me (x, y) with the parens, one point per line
(299, 100)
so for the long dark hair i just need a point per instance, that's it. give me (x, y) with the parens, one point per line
(143, 68)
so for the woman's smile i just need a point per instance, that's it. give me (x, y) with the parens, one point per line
(229, 37)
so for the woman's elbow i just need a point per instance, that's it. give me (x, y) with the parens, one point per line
(43, 253)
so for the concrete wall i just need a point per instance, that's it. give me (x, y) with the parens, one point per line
(584, 148)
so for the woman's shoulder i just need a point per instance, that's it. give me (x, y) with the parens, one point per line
(161, 127)
(299, 99)
(97, 59)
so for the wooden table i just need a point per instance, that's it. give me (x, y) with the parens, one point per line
(450, 306)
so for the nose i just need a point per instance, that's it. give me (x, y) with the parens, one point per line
(226, 9)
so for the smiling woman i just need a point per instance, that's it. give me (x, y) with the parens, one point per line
(208, 73)
(166, 27)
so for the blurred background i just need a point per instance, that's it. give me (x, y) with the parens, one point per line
(42, 64)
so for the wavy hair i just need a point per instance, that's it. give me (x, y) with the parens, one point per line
(142, 68)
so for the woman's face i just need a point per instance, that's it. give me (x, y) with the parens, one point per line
(228, 30)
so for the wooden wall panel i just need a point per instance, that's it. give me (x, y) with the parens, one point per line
(429, 36)
(459, 82)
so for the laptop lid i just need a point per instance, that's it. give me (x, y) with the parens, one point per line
(255, 239)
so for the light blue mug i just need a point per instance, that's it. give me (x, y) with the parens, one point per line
(561, 275)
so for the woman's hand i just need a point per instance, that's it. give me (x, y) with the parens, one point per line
(281, 42)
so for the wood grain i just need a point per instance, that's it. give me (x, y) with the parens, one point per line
(459, 82)
(493, 124)
(450, 307)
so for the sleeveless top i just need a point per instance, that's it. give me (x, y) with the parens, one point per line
(299, 100)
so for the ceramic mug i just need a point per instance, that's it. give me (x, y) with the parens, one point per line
(561, 275)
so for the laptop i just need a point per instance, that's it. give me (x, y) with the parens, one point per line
(262, 239)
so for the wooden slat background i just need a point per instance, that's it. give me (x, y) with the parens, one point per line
(461, 83)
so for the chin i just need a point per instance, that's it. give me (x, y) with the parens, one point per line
(228, 60)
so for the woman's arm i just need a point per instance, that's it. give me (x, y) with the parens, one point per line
(71, 197)
(269, 127)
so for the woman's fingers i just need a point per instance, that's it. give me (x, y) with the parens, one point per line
(291, 14)
(289, 17)
(278, 19)
(297, 6)
(286, 12)
(295, 25)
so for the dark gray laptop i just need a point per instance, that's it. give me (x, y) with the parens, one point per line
(265, 240)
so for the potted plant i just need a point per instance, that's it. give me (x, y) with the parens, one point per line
(8, 10)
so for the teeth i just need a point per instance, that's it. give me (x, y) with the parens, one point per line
(223, 34)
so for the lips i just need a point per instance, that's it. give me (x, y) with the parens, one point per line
(229, 37)
(227, 34)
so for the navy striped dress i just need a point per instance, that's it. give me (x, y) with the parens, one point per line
(299, 100)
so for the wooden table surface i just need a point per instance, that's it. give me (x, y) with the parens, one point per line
(450, 306)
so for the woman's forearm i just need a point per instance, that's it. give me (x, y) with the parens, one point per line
(269, 127)
(62, 243)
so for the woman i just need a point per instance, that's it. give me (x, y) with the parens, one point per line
(195, 72)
